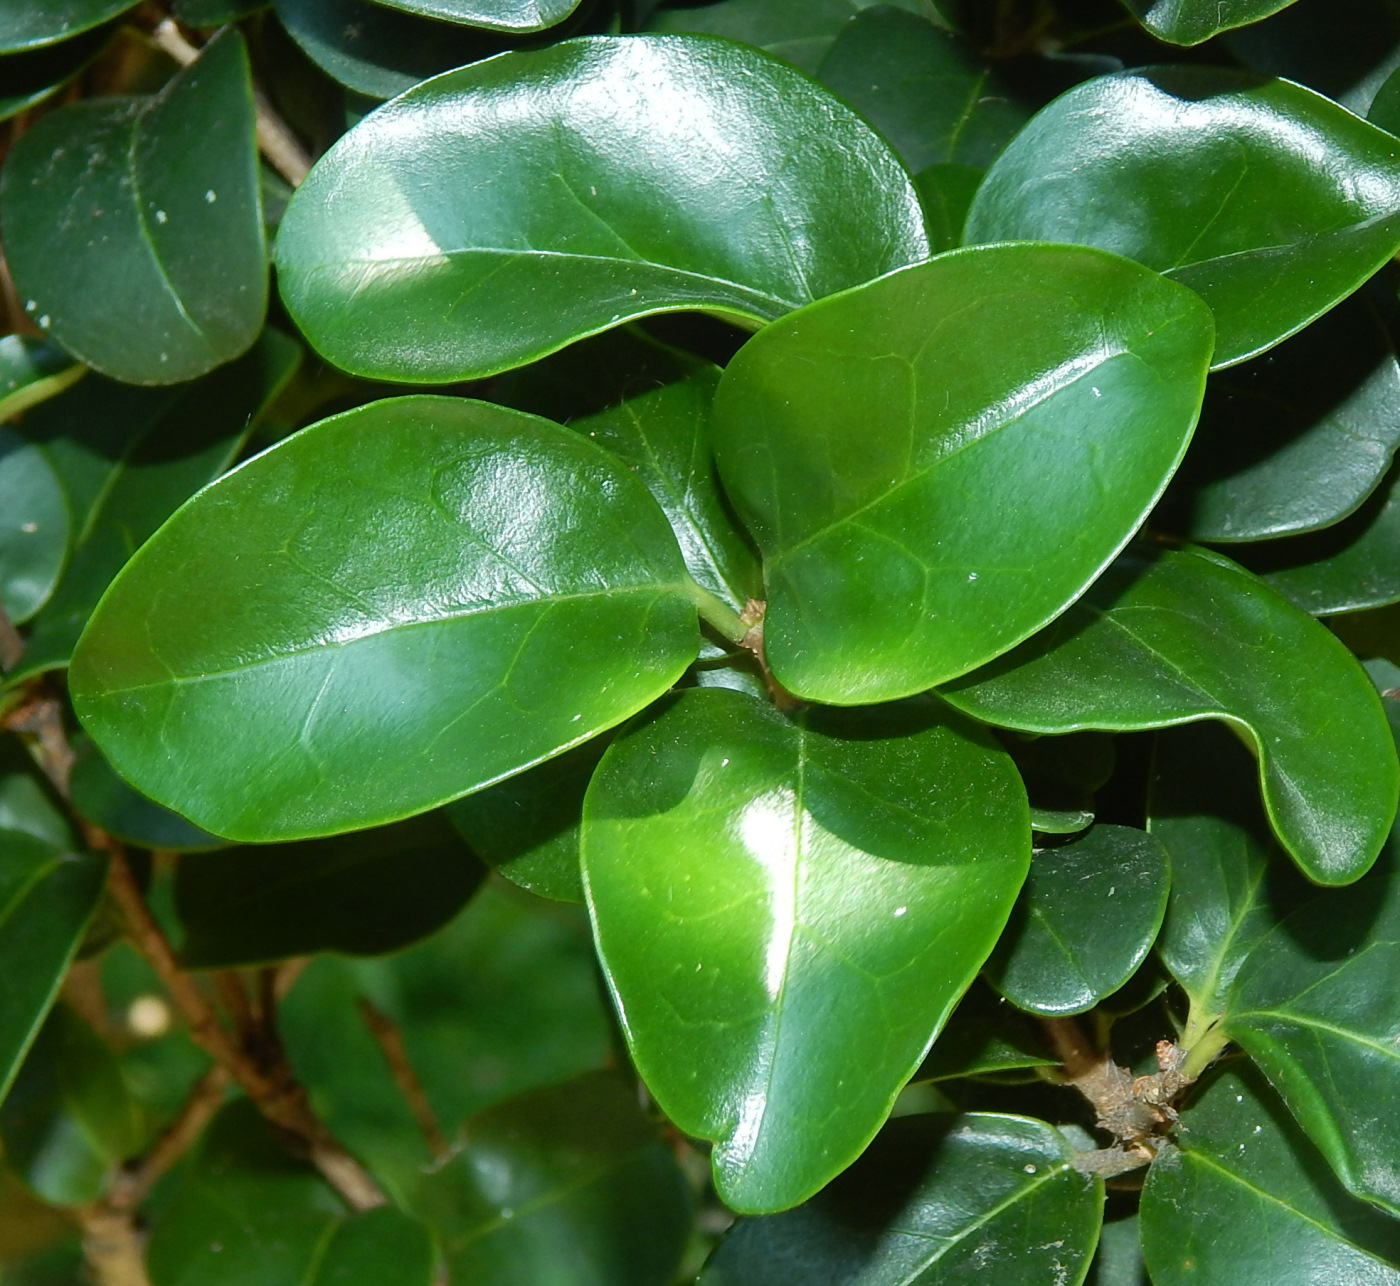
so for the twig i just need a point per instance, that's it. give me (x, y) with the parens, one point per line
(231, 991)
(40, 713)
(276, 141)
(390, 1041)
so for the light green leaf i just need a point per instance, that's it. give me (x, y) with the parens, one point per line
(1173, 636)
(568, 1184)
(47, 897)
(907, 553)
(127, 458)
(1247, 1200)
(541, 197)
(1189, 22)
(532, 596)
(1085, 920)
(1268, 199)
(813, 895)
(936, 1201)
(144, 210)
(367, 893)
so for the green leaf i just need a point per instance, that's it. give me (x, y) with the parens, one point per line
(144, 209)
(527, 827)
(28, 26)
(379, 51)
(1316, 1008)
(1118, 1259)
(244, 1211)
(1348, 567)
(1297, 439)
(47, 897)
(946, 193)
(69, 1116)
(984, 1034)
(1268, 199)
(214, 13)
(1384, 111)
(492, 15)
(1168, 637)
(532, 595)
(814, 895)
(1230, 884)
(1189, 22)
(1085, 920)
(922, 87)
(107, 801)
(32, 371)
(503, 1000)
(541, 197)
(127, 458)
(33, 75)
(906, 554)
(1248, 1201)
(379, 1246)
(936, 1201)
(27, 801)
(364, 894)
(566, 1184)
(33, 527)
(1062, 775)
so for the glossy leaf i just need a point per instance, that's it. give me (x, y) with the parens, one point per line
(541, 197)
(1315, 1007)
(503, 1000)
(912, 551)
(1230, 883)
(127, 458)
(33, 527)
(492, 15)
(922, 87)
(1085, 920)
(1348, 567)
(1169, 637)
(367, 893)
(28, 26)
(527, 827)
(1062, 775)
(32, 371)
(1269, 200)
(532, 595)
(47, 897)
(814, 895)
(1189, 22)
(936, 1201)
(566, 1184)
(1247, 1200)
(1296, 439)
(146, 209)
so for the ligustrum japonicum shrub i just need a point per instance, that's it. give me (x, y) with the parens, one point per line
(749, 643)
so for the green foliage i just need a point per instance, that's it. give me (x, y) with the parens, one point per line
(669, 706)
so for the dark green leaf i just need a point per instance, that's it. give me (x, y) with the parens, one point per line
(922, 87)
(25, 25)
(144, 211)
(214, 13)
(1168, 637)
(501, 211)
(69, 1116)
(376, 1248)
(128, 458)
(1269, 200)
(985, 1034)
(532, 595)
(27, 802)
(29, 77)
(33, 527)
(1189, 22)
(107, 801)
(493, 15)
(1087, 916)
(244, 1211)
(1118, 1259)
(946, 192)
(32, 371)
(1062, 775)
(363, 894)
(1248, 1201)
(1385, 107)
(1230, 883)
(1316, 1006)
(567, 1184)
(814, 895)
(503, 1000)
(527, 827)
(1297, 439)
(1348, 567)
(935, 1201)
(47, 897)
(905, 554)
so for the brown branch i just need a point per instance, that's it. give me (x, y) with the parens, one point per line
(133, 1184)
(40, 713)
(231, 991)
(390, 1042)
